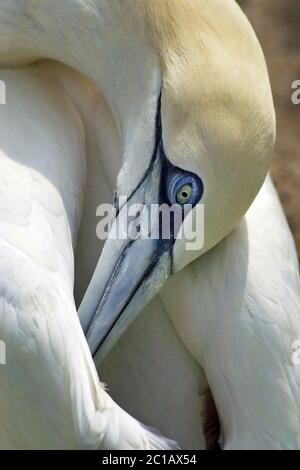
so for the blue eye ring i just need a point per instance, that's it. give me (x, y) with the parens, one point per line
(189, 184)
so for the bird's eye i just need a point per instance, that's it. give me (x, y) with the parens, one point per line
(185, 188)
(184, 194)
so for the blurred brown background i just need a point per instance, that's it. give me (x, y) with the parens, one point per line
(277, 25)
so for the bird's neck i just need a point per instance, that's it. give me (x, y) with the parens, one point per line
(106, 41)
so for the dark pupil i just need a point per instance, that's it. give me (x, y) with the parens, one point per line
(185, 194)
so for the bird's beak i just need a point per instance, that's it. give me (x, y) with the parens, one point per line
(130, 271)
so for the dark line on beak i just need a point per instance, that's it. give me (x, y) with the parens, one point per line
(107, 288)
(158, 130)
(146, 274)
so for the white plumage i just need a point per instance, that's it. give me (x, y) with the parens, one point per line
(50, 395)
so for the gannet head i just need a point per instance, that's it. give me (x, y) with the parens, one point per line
(213, 140)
